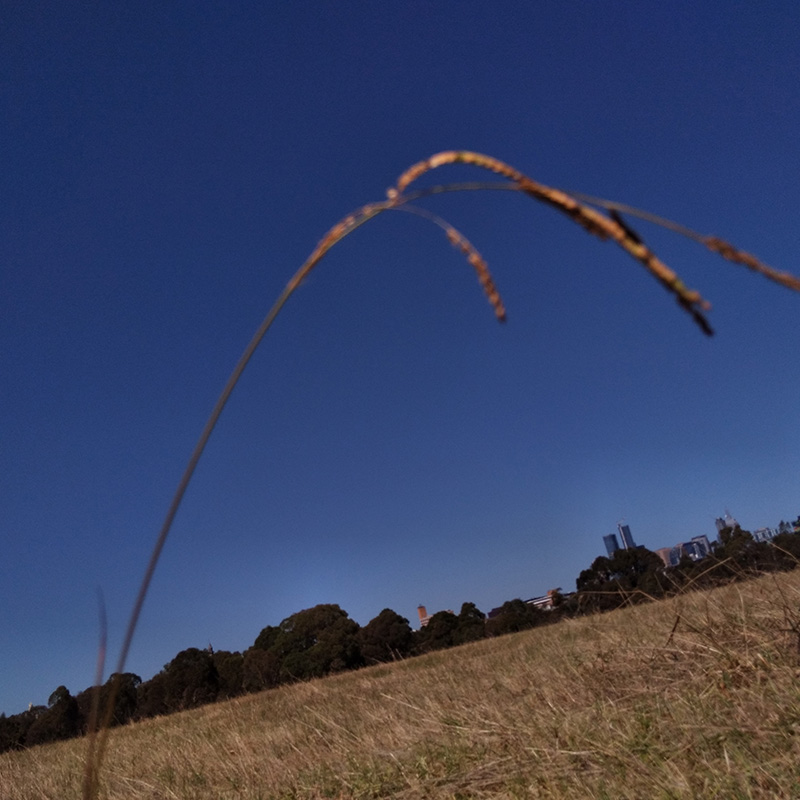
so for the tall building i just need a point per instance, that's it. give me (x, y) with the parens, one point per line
(702, 546)
(665, 554)
(726, 522)
(627, 539)
(611, 543)
(765, 534)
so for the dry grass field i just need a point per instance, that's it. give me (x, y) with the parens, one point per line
(694, 697)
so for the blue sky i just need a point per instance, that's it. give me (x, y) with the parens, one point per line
(166, 169)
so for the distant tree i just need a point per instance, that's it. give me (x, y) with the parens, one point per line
(85, 701)
(127, 696)
(734, 542)
(316, 641)
(11, 733)
(261, 670)
(60, 694)
(739, 555)
(557, 597)
(629, 575)
(60, 721)
(14, 731)
(514, 615)
(788, 548)
(385, 638)
(471, 624)
(125, 702)
(597, 575)
(267, 637)
(190, 680)
(686, 572)
(152, 697)
(230, 674)
(438, 634)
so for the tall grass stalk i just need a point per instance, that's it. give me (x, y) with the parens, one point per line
(586, 211)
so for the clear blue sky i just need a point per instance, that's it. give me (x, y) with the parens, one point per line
(167, 166)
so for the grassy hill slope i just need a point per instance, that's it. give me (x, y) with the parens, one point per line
(693, 697)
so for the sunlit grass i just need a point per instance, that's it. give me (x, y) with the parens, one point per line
(621, 705)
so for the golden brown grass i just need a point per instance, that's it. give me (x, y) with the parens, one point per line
(624, 705)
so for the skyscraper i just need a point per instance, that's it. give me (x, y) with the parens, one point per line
(702, 545)
(726, 522)
(611, 543)
(627, 539)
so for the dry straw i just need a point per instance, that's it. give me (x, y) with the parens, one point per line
(599, 217)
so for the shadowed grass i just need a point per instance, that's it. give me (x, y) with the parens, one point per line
(604, 226)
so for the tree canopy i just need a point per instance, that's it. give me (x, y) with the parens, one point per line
(387, 637)
(316, 641)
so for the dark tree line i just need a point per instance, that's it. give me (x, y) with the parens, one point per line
(323, 640)
(639, 575)
(309, 644)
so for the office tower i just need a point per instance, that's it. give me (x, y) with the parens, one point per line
(702, 545)
(730, 521)
(627, 539)
(664, 553)
(611, 543)
(726, 522)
